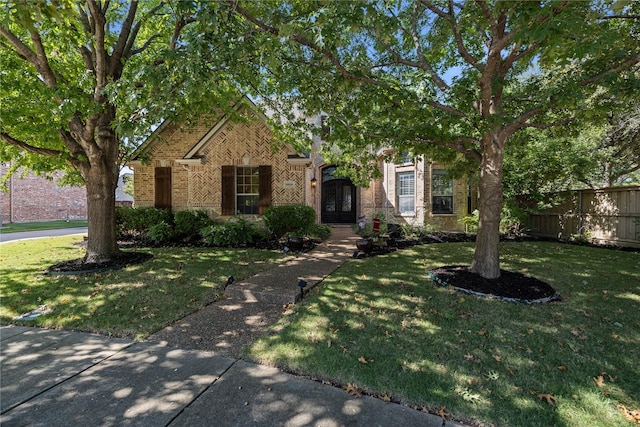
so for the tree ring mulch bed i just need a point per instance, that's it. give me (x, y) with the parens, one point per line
(510, 286)
(78, 266)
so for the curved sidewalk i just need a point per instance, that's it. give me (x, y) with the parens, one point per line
(252, 305)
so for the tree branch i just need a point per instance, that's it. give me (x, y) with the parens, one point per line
(462, 50)
(123, 39)
(38, 59)
(630, 62)
(30, 148)
(456, 144)
(129, 51)
(422, 62)
(101, 56)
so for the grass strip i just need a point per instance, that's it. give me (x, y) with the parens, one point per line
(379, 325)
(16, 227)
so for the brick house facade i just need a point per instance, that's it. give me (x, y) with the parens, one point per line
(33, 198)
(218, 166)
(230, 168)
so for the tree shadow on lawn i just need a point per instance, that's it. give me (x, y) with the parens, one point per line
(380, 327)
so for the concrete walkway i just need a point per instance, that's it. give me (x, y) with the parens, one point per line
(252, 305)
(186, 374)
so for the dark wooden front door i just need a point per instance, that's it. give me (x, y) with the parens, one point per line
(338, 199)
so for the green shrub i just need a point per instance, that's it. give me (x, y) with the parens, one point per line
(417, 232)
(511, 220)
(134, 222)
(233, 233)
(161, 232)
(126, 225)
(320, 231)
(281, 220)
(471, 221)
(189, 223)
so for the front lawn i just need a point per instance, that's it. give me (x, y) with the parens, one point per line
(379, 326)
(133, 302)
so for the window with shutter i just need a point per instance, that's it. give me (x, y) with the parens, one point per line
(246, 189)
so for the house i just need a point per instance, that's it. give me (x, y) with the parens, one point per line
(122, 198)
(229, 168)
(29, 197)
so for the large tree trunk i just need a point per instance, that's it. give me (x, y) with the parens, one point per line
(102, 244)
(486, 259)
(101, 179)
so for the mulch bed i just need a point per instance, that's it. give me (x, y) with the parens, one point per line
(510, 286)
(79, 266)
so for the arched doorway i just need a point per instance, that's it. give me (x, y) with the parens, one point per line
(338, 198)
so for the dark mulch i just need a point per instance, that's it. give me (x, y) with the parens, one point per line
(78, 266)
(509, 286)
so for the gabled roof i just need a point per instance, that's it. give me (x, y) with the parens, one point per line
(190, 156)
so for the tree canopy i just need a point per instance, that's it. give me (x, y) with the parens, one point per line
(82, 82)
(453, 81)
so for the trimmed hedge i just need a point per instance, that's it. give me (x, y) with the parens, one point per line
(281, 220)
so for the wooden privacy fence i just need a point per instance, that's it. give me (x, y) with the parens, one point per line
(609, 216)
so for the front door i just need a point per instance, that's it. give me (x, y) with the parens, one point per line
(338, 199)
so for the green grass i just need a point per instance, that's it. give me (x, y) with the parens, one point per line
(15, 227)
(380, 325)
(133, 302)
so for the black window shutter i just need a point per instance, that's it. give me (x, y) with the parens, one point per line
(264, 174)
(228, 190)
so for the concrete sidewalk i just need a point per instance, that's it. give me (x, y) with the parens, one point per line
(59, 378)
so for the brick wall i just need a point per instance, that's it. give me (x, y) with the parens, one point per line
(200, 186)
(32, 198)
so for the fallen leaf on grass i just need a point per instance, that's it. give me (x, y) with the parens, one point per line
(497, 358)
(633, 416)
(361, 359)
(551, 400)
(599, 380)
(562, 368)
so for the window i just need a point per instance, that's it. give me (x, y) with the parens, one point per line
(247, 190)
(405, 158)
(406, 192)
(441, 192)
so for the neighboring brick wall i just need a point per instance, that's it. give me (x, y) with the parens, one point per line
(33, 198)
(200, 186)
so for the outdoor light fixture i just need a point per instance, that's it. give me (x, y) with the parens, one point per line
(302, 284)
(230, 280)
(314, 181)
